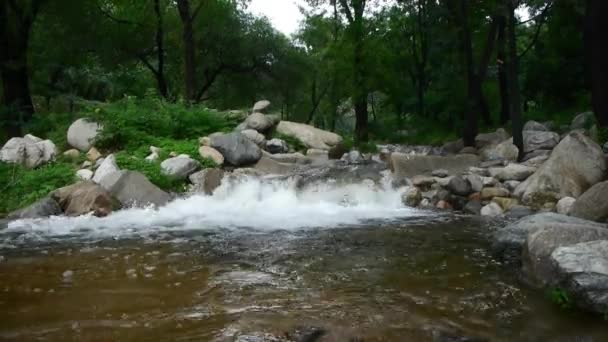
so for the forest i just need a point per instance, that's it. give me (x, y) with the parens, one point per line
(397, 71)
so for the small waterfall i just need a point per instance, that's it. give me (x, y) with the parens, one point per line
(240, 202)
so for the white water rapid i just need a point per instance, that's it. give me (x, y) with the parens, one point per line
(245, 203)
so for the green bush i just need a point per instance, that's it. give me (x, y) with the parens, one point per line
(22, 187)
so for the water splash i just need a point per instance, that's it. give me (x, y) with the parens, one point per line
(244, 202)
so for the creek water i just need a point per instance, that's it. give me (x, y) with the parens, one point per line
(264, 261)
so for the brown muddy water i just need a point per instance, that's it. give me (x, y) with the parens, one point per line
(428, 278)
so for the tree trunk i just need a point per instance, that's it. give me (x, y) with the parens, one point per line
(597, 58)
(14, 71)
(160, 49)
(183, 7)
(473, 82)
(360, 93)
(483, 70)
(513, 79)
(502, 69)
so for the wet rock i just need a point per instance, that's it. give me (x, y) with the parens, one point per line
(423, 181)
(511, 185)
(441, 173)
(260, 106)
(489, 193)
(443, 205)
(93, 154)
(541, 243)
(411, 165)
(411, 196)
(179, 167)
(84, 174)
(519, 211)
(460, 186)
(211, 153)
(253, 135)
(259, 122)
(506, 150)
(206, 181)
(310, 136)
(236, 149)
(582, 271)
(132, 188)
(492, 210)
(509, 240)
(473, 208)
(564, 206)
(27, 152)
(82, 133)
(576, 164)
(516, 172)
(489, 139)
(537, 140)
(83, 198)
(468, 150)
(535, 126)
(270, 166)
(275, 146)
(43, 208)
(353, 157)
(107, 166)
(593, 204)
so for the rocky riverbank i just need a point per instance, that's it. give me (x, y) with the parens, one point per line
(556, 192)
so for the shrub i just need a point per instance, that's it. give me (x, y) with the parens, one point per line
(22, 187)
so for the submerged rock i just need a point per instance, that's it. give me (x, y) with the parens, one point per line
(206, 181)
(43, 208)
(411, 196)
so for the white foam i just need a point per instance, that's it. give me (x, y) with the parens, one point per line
(244, 203)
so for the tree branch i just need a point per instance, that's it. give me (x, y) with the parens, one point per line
(543, 19)
(347, 11)
(118, 20)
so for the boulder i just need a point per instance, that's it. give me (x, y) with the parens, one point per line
(541, 243)
(82, 133)
(564, 205)
(204, 141)
(206, 181)
(294, 158)
(43, 208)
(270, 166)
(132, 188)
(512, 172)
(275, 146)
(583, 121)
(411, 196)
(538, 160)
(460, 186)
(310, 136)
(259, 122)
(423, 181)
(593, 204)
(93, 154)
(473, 208)
(492, 210)
(28, 152)
(405, 165)
(32, 138)
(107, 167)
(575, 165)
(489, 193)
(72, 154)
(260, 106)
(441, 173)
(83, 198)
(453, 147)
(508, 241)
(236, 149)
(582, 271)
(535, 126)
(539, 140)
(489, 139)
(505, 150)
(86, 164)
(511, 185)
(476, 182)
(179, 167)
(84, 174)
(211, 153)
(253, 135)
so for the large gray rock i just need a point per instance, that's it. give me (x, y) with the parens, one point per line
(405, 165)
(211, 153)
(505, 150)
(564, 205)
(275, 146)
(270, 166)
(488, 139)
(179, 167)
(575, 165)
(582, 271)
(259, 122)
(260, 106)
(593, 204)
(535, 126)
(206, 181)
(583, 121)
(539, 140)
(28, 152)
(43, 208)
(453, 147)
(543, 241)
(132, 188)
(108, 166)
(236, 149)
(255, 136)
(82, 133)
(512, 172)
(509, 240)
(310, 136)
(411, 196)
(83, 198)
(460, 186)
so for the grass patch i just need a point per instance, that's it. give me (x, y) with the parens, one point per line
(150, 169)
(22, 187)
(560, 297)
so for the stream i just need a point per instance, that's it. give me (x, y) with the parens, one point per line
(263, 261)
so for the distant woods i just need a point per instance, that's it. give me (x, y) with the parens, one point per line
(378, 69)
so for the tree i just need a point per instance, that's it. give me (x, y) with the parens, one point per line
(187, 18)
(597, 57)
(513, 78)
(16, 20)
